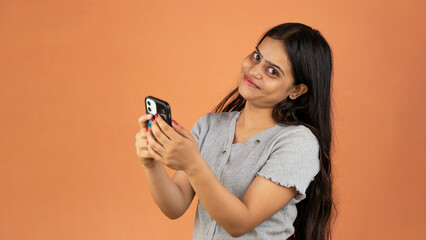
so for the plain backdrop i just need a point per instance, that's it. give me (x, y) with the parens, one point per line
(74, 75)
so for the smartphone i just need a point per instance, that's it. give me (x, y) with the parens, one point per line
(157, 106)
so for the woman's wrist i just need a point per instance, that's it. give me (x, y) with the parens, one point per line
(195, 167)
(150, 164)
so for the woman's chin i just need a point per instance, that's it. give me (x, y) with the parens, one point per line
(245, 91)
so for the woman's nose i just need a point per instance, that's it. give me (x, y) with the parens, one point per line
(255, 71)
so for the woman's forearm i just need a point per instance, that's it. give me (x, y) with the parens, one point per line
(226, 209)
(165, 192)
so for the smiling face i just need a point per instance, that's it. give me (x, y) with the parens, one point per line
(266, 75)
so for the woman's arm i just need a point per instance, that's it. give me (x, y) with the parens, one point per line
(177, 149)
(173, 196)
(262, 199)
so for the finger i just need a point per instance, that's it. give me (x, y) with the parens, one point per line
(141, 133)
(145, 154)
(168, 131)
(142, 148)
(152, 143)
(140, 144)
(143, 119)
(150, 137)
(182, 131)
(141, 139)
(155, 154)
(158, 133)
(142, 151)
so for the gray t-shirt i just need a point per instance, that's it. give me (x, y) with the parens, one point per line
(287, 155)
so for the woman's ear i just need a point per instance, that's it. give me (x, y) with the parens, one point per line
(297, 91)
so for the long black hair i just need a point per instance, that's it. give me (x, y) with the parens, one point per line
(311, 60)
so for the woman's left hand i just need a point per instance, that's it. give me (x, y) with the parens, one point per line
(174, 146)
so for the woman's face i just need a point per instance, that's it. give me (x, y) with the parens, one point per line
(266, 76)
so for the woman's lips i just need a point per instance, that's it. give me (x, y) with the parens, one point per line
(250, 82)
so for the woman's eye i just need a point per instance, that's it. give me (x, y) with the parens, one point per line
(270, 70)
(273, 71)
(256, 56)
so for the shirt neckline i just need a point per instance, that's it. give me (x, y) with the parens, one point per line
(232, 127)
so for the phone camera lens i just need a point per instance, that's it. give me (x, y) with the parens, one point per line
(149, 109)
(149, 103)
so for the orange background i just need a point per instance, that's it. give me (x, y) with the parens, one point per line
(74, 75)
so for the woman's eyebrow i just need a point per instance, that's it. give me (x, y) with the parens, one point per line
(269, 62)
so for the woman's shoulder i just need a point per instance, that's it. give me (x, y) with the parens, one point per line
(297, 132)
(217, 118)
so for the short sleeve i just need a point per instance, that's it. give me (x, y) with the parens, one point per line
(197, 130)
(293, 161)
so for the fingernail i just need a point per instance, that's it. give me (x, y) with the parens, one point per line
(156, 115)
(175, 122)
(147, 143)
(146, 129)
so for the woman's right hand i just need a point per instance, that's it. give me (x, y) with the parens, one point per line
(142, 142)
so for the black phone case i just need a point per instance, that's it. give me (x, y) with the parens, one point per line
(163, 109)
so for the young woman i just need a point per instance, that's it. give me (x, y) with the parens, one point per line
(260, 165)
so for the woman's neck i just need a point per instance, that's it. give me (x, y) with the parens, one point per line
(256, 118)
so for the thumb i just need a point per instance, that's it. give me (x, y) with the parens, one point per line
(182, 131)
